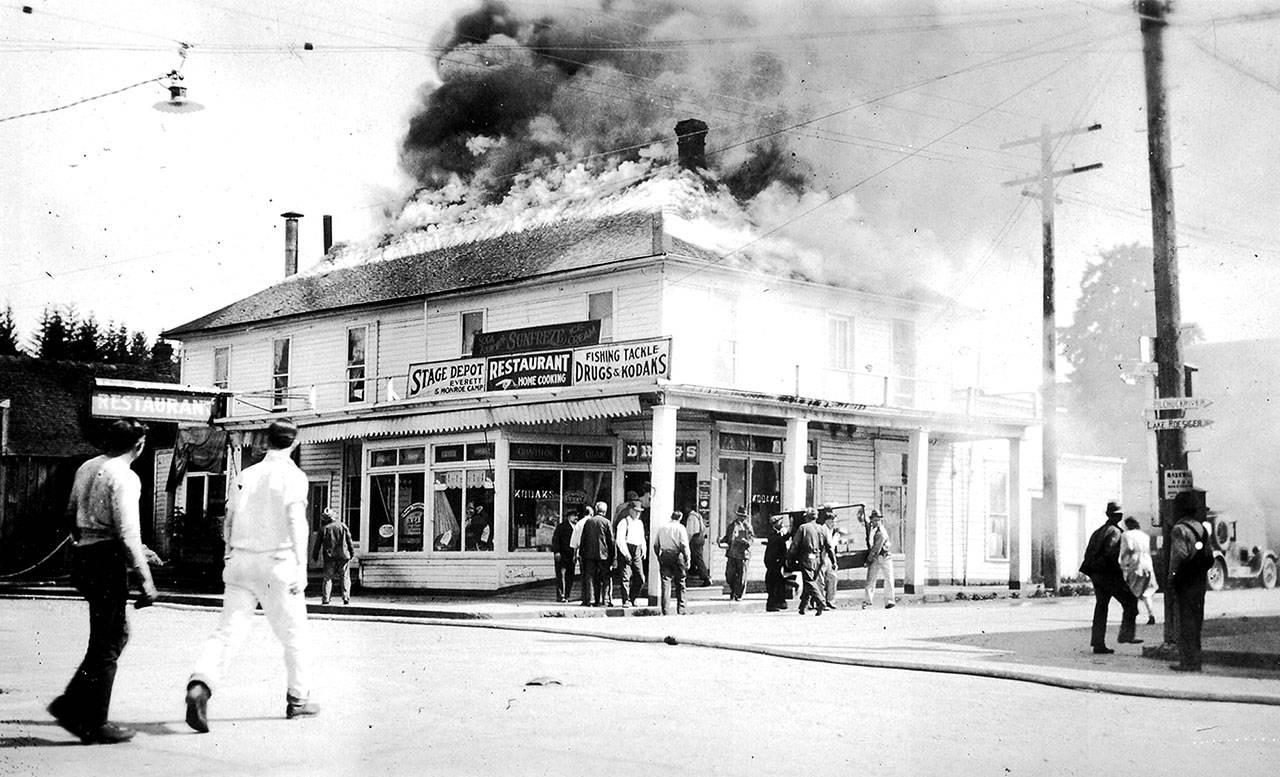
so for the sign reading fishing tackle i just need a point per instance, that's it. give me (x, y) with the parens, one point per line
(624, 362)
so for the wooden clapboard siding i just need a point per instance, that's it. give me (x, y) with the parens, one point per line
(160, 504)
(847, 470)
(456, 573)
(401, 340)
(940, 519)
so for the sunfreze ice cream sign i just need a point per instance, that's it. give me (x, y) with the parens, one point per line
(626, 362)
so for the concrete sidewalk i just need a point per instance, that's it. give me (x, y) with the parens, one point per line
(981, 632)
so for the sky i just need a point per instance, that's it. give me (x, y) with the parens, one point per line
(899, 116)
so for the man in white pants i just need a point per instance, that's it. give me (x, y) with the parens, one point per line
(879, 562)
(266, 562)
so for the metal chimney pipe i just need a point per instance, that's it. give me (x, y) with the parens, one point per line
(328, 233)
(691, 144)
(290, 242)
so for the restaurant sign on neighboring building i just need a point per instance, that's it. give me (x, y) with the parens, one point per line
(625, 362)
(152, 406)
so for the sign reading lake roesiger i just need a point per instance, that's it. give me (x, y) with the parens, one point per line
(624, 362)
(446, 379)
(528, 371)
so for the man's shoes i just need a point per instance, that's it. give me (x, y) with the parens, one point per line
(865, 605)
(1151, 620)
(300, 708)
(1185, 667)
(831, 606)
(198, 706)
(889, 605)
(1102, 650)
(801, 611)
(107, 734)
(818, 611)
(625, 604)
(324, 602)
(346, 600)
(58, 708)
(1130, 641)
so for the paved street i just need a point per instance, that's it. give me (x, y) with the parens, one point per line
(430, 697)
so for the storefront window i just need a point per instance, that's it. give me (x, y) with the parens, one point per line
(463, 510)
(535, 508)
(397, 500)
(766, 494)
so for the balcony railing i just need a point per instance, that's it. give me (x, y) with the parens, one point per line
(910, 393)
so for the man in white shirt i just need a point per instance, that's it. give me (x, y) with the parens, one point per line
(671, 546)
(265, 562)
(631, 567)
(104, 505)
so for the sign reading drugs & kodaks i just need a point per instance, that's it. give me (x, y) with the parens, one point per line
(625, 362)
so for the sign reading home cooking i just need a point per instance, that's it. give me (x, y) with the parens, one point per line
(623, 362)
(552, 337)
(528, 371)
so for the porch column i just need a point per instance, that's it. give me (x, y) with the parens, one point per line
(795, 451)
(916, 512)
(663, 473)
(1019, 521)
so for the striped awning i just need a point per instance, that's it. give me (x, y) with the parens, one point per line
(472, 418)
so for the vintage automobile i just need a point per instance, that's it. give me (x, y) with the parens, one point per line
(1237, 559)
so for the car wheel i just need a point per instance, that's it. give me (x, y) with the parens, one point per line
(1218, 575)
(1268, 574)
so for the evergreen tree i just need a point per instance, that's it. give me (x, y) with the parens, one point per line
(163, 366)
(8, 333)
(115, 348)
(86, 343)
(52, 338)
(139, 349)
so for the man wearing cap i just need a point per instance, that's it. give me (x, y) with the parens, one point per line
(631, 555)
(1102, 565)
(265, 533)
(696, 527)
(879, 562)
(1189, 535)
(335, 550)
(830, 580)
(737, 544)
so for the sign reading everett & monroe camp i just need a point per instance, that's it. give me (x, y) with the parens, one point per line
(460, 376)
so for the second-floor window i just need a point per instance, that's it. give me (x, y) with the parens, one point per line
(840, 343)
(904, 362)
(280, 374)
(472, 324)
(600, 308)
(222, 366)
(356, 363)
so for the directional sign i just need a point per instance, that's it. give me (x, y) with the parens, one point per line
(1177, 423)
(1136, 367)
(1181, 403)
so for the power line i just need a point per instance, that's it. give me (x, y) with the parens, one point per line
(86, 99)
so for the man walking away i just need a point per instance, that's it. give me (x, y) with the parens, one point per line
(810, 551)
(1102, 565)
(1190, 556)
(562, 552)
(696, 528)
(335, 551)
(737, 543)
(595, 550)
(108, 542)
(671, 546)
(830, 578)
(265, 563)
(879, 562)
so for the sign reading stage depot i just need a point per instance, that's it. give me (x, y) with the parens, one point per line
(628, 361)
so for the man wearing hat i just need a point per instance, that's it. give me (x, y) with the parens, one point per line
(1102, 565)
(335, 551)
(811, 552)
(737, 543)
(830, 577)
(879, 562)
(775, 559)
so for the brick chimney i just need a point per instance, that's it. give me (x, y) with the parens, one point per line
(328, 233)
(290, 242)
(691, 144)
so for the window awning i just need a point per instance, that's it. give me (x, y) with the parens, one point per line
(472, 418)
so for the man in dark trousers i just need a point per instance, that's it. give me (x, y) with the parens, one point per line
(595, 550)
(335, 550)
(775, 559)
(562, 551)
(737, 543)
(811, 552)
(1189, 536)
(696, 527)
(108, 543)
(1102, 565)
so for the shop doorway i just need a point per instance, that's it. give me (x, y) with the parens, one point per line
(755, 484)
(685, 495)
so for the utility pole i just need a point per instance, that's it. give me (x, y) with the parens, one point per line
(1171, 453)
(1048, 530)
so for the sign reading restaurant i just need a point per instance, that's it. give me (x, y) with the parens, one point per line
(152, 407)
(624, 362)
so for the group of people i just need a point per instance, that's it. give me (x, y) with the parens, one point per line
(809, 550)
(265, 563)
(611, 556)
(1118, 563)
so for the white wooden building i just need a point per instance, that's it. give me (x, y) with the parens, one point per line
(728, 384)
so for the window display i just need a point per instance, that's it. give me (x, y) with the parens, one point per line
(463, 510)
(540, 496)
